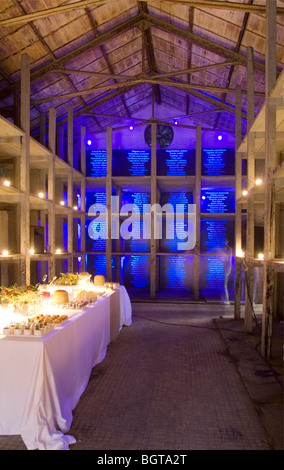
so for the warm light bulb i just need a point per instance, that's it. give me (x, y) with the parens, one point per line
(7, 183)
(260, 256)
(62, 203)
(75, 208)
(5, 253)
(244, 193)
(258, 181)
(58, 251)
(40, 195)
(240, 254)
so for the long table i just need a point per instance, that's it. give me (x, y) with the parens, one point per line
(42, 379)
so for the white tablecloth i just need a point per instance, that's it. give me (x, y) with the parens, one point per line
(42, 379)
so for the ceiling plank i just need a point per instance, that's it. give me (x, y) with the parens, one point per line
(22, 19)
(221, 5)
(202, 42)
(96, 42)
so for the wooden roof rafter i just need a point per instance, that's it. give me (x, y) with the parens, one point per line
(82, 4)
(93, 43)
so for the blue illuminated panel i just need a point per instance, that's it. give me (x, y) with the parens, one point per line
(217, 201)
(175, 162)
(216, 234)
(175, 272)
(131, 162)
(93, 244)
(96, 163)
(136, 271)
(217, 239)
(177, 198)
(137, 198)
(218, 162)
(96, 265)
(95, 197)
(169, 241)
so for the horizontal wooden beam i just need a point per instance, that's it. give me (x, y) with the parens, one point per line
(221, 5)
(36, 15)
(177, 84)
(79, 5)
(201, 41)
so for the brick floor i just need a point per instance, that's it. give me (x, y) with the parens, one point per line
(167, 383)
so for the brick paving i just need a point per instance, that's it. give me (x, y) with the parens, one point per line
(167, 383)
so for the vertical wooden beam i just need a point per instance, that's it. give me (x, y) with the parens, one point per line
(196, 256)
(153, 257)
(83, 197)
(238, 207)
(70, 188)
(42, 129)
(269, 195)
(25, 169)
(108, 203)
(250, 197)
(51, 191)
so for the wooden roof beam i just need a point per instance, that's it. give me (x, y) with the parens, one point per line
(147, 46)
(56, 64)
(201, 41)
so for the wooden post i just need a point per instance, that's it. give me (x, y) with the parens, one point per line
(42, 129)
(153, 258)
(196, 256)
(83, 197)
(250, 196)
(269, 195)
(51, 191)
(238, 207)
(70, 188)
(108, 203)
(25, 169)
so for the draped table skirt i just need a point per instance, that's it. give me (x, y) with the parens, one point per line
(42, 379)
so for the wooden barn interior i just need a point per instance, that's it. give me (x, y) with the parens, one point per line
(108, 108)
(185, 75)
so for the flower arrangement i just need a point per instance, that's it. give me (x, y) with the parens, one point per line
(20, 295)
(68, 279)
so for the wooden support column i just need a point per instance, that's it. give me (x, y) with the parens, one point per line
(51, 191)
(4, 243)
(196, 256)
(118, 243)
(108, 203)
(25, 170)
(250, 196)
(238, 207)
(70, 188)
(42, 129)
(153, 257)
(269, 195)
(83, 198)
